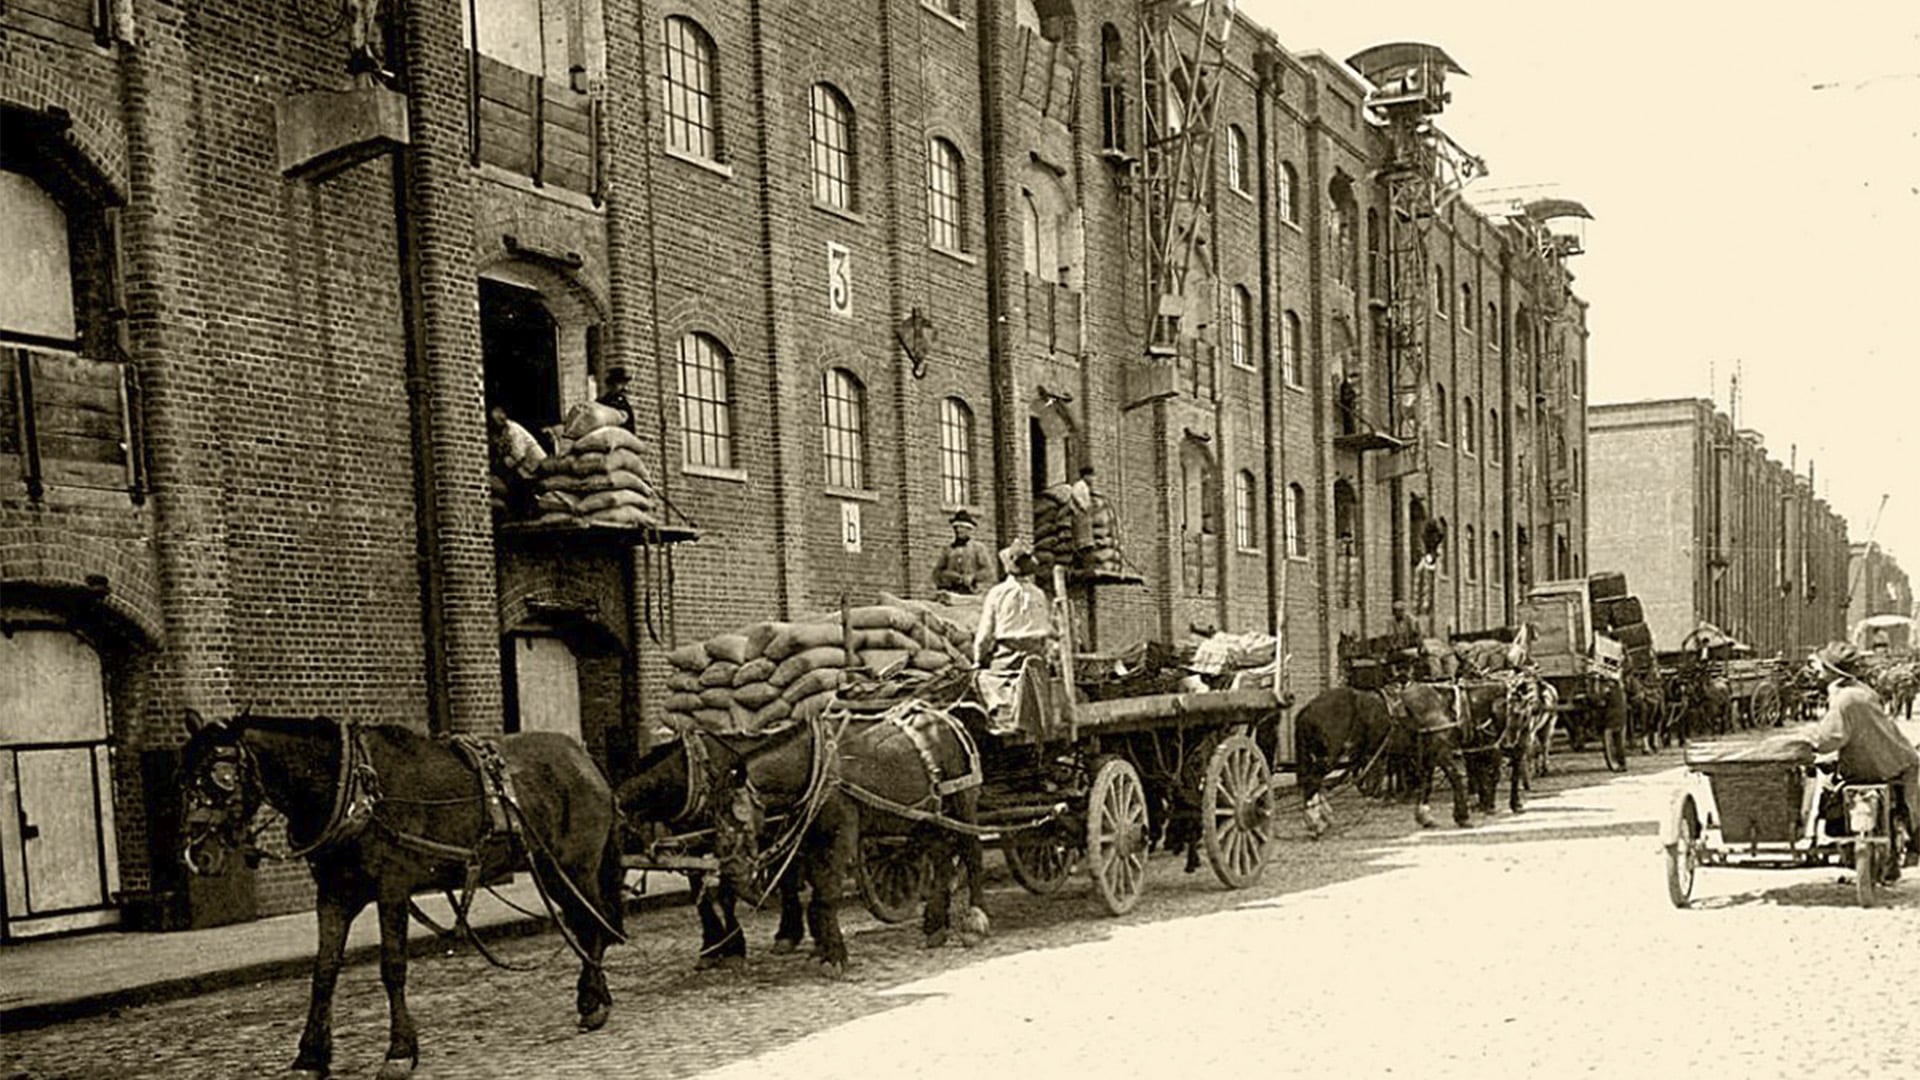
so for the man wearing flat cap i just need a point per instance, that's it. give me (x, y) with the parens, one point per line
(966, 566)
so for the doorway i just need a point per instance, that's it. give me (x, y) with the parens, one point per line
(545, 676)
(58, 853)
(519, 349)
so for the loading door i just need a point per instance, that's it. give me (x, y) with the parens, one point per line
(58, 854)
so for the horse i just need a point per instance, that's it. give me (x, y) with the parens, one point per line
(1430, 715)
(1501, 723)
(380, 812)
(1647, 707)
(1341, 726)
(915, 770)
(727, 787)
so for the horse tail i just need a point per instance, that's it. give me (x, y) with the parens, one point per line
(613, 880)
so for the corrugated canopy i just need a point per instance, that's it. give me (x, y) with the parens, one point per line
(1548, 209)
(1401, 54)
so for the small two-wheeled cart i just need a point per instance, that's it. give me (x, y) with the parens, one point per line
(1771, 805)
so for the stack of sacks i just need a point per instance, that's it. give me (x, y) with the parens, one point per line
(1483, 657)
(497, 494)
(774, 673)
(1053, 527)
(1053, 538)
(601, 479)
(1104, 556)
(1223, 654)
(1437, 658)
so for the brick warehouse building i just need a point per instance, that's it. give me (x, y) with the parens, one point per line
(1876, 585)
(1709, 527)
(866, 264)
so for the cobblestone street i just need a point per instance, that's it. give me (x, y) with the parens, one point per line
(1542, 945)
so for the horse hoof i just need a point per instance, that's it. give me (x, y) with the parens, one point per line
(781, 946)
(976, 923)
(835, 969)
(396, 1069)
(308, 1073)
(594, 1019)
(937, 939)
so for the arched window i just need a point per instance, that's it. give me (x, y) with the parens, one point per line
(956, 452)
(1467, 432)
(1440, 415)
(1467, 310)
(1246, 532)
(706, 402)
(1295, 517)
(1049, 235)
(835, 164)
(1493, 435)
(691, 84)
(1032, 229)
(1496, 556)
(1376, 262)
(1289, 193)
(1470, 558)
(1236, 158)
(1442, 303)
(1493, 322)
(946, 196)
(1290, 348)
(843, 417)
(1240, 326)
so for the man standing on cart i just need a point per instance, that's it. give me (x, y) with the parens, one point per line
(1856, 728)
(1016, 624)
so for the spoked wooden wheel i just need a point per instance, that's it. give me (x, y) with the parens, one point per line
(1117, 835)
(1236, 807)
(1040, 859)
(1683, 856)
(892, 875)
(1766, 705)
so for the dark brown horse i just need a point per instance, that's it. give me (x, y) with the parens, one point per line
(1341, 727)
(720, 789)
(381, 812)
(1502, 723)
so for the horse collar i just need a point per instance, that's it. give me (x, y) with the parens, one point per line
(699, 783)
(356, 791)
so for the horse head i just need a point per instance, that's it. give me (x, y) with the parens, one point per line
(220, 791)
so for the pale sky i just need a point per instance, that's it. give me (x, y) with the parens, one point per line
(1741, 216)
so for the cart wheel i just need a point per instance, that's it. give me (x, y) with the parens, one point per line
(892, 875)
(1236, 803)
(1613, 747)
(1041, 859)
(1766, 705)
(1117, 835)
(1683, 854)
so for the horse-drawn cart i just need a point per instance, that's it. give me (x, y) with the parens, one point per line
(1097, 783)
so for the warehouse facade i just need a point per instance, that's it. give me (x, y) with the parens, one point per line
(866, 265)
(1710, 528)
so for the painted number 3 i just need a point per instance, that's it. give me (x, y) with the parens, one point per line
(839, 279)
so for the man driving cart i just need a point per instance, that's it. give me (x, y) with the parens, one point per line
(1857, 731)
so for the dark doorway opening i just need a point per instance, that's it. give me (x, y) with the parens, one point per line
(519, 348)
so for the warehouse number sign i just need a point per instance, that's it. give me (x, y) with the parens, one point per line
(850, 526)
(839, 279)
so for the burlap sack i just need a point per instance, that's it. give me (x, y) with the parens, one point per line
(717, 697)
(718, 673)
(817, 681)
(610, 437)
(683, 702)
(793, 667)
(755, 695)
(729, 647)
(759, 669)
(692, 657)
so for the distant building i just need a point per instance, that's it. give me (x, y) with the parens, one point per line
(1875, 584)
(1708, 527)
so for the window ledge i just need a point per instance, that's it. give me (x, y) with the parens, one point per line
(953, 508)
(956, 255)
(848, 215)
(1240, 365)
(1294, 225)
(717, 168)
(866, 495)
(714, 472)
(1247, 550)
(1242, 192)
(1299, 388)
(934, 8)
(1297, 558)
